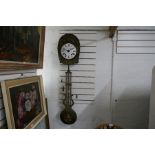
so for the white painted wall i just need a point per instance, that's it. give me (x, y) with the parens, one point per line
(50, 74)
(131, 84)
(89, 115)
(132, 73)
(152, 102)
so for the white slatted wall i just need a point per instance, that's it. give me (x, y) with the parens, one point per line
(11, 75)
(136, 42)
(133, 61)
(83, 73)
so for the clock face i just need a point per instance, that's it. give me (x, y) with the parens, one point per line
(68, 51)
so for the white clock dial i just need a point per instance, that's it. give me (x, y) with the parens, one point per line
(68, 51)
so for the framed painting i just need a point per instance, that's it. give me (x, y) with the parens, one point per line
(24, 102)
(21, 47)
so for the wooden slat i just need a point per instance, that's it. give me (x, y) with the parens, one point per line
(16, 75)
(78, 70)
(136, 50)
(133, 36)
(79, 76)
(76, 100)
(18, 72)
(87, 43)
(79, 79)
(79, 67)
(83, 102)
(86, 36)
(79, 97)
(81, 91)
(87, 55)
(77, 32)
(79, 85)
(79, 73)
(136, 43)
(89, 61)
(136, 32)
(80, 94)
(83, 36)
(80, 102)
(87, 49)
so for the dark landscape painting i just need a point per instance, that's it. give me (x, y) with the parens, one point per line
(19, 43)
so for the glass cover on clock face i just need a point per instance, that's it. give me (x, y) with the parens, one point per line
(68, 51)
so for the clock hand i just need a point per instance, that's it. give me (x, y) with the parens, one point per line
(71, 48)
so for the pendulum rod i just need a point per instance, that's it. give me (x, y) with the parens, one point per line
(68, 88)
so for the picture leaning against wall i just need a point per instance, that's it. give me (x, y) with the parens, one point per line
(24, 102)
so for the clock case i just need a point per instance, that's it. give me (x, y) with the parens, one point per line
(69, 38)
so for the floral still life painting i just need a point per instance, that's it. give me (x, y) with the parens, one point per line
(24, 102)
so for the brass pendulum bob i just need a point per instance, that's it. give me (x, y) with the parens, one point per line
(68, 115)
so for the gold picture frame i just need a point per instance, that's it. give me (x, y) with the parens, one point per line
(24, 102)
(21, 47)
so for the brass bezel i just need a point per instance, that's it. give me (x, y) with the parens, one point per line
(69, 38)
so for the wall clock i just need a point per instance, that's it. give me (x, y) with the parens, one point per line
(68, 49)
(68, 52)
